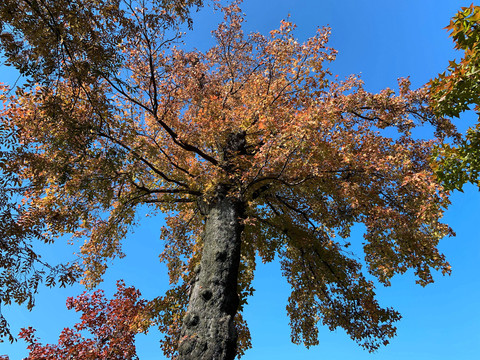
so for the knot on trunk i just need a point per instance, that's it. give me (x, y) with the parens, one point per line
(191, 320)
(206, 294)
(221, 256)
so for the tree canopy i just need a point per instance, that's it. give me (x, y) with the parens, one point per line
(33, 38)
(455, 91)
(253, 143)
(111, 322)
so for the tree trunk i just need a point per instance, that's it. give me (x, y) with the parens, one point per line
(208, 329)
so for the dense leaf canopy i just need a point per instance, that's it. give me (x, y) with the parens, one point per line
(120, 117)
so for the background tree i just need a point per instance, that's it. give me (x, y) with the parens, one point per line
(111, 322)
(254, 149)
(455, 91)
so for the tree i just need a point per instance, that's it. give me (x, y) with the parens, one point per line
(454, 92)
(111, 322)
(252, 148)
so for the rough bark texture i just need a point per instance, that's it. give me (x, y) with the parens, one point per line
(208, 331)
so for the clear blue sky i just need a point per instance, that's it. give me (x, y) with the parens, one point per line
(381, 40)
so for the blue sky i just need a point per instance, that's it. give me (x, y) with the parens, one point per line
(381, 40)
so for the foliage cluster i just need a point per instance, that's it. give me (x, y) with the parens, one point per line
(456, 91)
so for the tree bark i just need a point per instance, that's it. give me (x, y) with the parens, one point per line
(208, 329)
